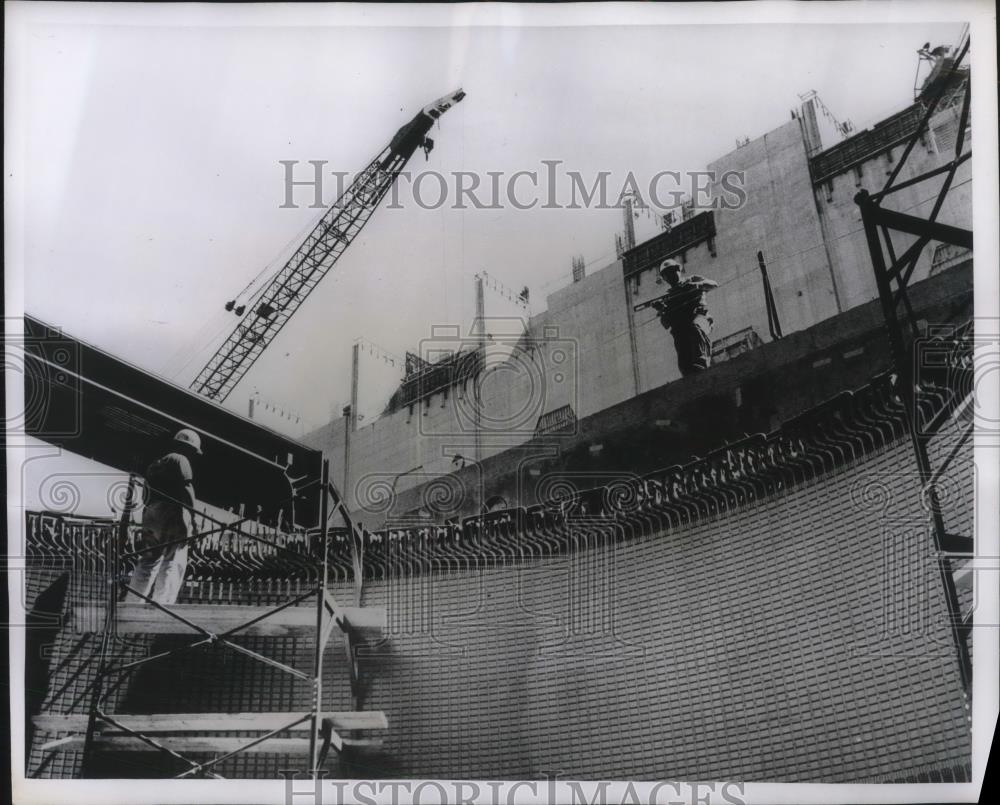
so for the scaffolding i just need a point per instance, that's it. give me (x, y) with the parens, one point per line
(892, 275)
(219, 625)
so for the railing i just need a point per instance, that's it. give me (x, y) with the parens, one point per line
(685, 235)
(840, 431)
(559, 420)
(866, 144)
(735, 344)
(435, 377)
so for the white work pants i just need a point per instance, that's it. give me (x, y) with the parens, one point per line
(159, 572)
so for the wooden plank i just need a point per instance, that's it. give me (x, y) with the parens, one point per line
(210, 745)
(352, 617)
(57, 743)
(963, 577)
(218, 618)
(350, 620)
(158, 723)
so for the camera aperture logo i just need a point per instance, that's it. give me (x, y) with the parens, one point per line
(47, 363)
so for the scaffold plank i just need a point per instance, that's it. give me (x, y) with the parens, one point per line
(207, 744)
(161, 723)
(217, 619)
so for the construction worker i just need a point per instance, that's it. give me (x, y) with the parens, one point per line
(684, 312)
(168, 517)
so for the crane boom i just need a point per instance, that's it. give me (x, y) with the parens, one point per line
(313, 259)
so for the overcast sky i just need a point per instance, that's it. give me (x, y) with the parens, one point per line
(155, 184)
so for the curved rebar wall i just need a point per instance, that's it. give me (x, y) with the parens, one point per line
(838, 432)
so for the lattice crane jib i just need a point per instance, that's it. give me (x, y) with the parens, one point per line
(316, 255)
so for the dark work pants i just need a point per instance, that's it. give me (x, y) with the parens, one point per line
(693, 343)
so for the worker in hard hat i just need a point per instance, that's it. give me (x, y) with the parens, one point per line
(684, 312)
(167, 518)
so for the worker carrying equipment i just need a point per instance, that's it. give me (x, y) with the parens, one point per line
(167, 521)
(683, 311)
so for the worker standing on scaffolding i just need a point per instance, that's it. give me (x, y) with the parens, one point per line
(684, 312)
(167, 518)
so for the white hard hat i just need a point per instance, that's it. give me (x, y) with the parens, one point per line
(190, 438)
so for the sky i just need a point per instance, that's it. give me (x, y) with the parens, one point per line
(156, 187)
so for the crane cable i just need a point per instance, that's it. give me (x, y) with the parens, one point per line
(275, 265)
(218, 324)
(279, 261)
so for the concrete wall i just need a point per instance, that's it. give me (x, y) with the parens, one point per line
(752, 393)
(593, 313)
(778, 218)
(576, 353)
(841, 220)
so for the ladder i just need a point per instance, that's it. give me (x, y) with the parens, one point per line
(311, 732)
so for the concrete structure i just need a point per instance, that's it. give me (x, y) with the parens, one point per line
(590, 352)
(739, 629)
(753, 393)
